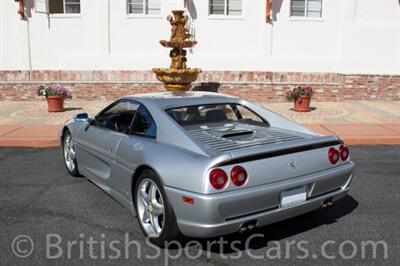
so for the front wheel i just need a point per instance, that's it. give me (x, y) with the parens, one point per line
(155, 215)
(69, 155)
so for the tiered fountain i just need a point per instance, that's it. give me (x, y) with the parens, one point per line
(177, 77)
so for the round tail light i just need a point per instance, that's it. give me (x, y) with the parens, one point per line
(333, 155)
(238, 176)
(218, 178)
(344, 152)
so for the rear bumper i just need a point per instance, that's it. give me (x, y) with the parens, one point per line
(223, 213)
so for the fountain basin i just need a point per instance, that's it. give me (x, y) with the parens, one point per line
(177, 79)
(178, 44)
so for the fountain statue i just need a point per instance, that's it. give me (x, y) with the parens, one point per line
(177, 77)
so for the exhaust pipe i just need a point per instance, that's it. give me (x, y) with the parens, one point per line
(327, 203)
(247, 226)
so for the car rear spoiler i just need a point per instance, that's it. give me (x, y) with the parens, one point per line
(278, 149)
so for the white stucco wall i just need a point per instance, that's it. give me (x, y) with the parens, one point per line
(353, 36)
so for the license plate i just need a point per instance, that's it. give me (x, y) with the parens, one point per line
(293, 197)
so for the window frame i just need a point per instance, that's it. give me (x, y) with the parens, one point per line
(225, 15)
(131, 133)
(231, 104)
(107, 108)
(65, 15)
(74, 4)
(142, 15)
(305, 17)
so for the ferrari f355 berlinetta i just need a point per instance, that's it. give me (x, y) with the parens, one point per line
(204, 164)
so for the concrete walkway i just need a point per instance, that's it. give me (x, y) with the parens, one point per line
(29, 124)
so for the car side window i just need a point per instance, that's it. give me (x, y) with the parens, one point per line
(143, 124)
(118, 116)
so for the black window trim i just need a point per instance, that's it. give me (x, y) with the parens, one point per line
(133, 119)
(111, 105)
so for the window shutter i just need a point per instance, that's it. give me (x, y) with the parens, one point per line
(42, 6)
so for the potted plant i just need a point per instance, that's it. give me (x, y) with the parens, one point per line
(55, 97)
(301, 96)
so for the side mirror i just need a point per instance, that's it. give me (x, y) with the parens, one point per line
(91, 121)
(81, 117)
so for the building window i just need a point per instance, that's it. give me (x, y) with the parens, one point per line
(225, 7)
(306, 8)
(144, 7)
(64, 6)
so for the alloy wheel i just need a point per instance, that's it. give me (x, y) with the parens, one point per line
(150, 207)
(69, 153)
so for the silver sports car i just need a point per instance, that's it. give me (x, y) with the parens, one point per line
(205, 164)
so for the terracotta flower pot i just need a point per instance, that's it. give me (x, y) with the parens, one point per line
(302, 104)
(55, 103)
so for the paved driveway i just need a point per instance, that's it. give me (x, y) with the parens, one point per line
(70, 220)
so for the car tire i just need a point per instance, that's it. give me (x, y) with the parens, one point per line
(70, 162)
(158, 224)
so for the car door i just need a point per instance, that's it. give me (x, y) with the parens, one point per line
(98, 140)
(133, 149)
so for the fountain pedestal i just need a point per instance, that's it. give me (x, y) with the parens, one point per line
(178, 77)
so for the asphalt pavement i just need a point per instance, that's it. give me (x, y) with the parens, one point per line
(48, 217)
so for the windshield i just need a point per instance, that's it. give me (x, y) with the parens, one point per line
(215, 115)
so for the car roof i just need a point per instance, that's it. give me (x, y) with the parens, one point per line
(175, 99)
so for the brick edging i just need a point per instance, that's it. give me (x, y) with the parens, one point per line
(261, 86)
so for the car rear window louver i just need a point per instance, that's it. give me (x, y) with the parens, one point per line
(214, 139)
